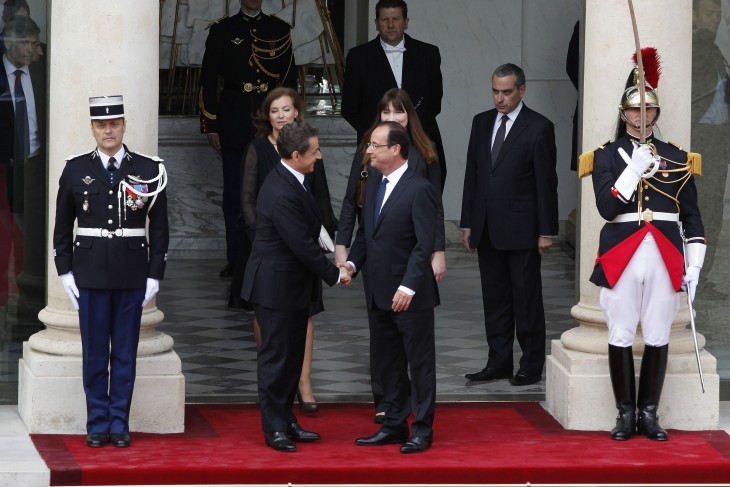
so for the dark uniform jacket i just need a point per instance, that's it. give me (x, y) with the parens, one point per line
(86, 194)
(619, 241)
(251, 56)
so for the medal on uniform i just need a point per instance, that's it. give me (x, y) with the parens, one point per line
(88, 180)
(85, 204)
(133, 199)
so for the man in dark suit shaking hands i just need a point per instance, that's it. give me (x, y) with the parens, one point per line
(393, 60)
(509, 215)
(395, 243)
(283, 276)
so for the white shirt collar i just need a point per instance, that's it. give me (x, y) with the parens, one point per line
(513, 114)
(395, 176)
(297, 174)
(105, 158)
(401, 46)
(10, 67)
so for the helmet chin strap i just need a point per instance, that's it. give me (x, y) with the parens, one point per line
(634, 125)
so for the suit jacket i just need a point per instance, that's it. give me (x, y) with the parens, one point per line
(7, 113)
(86, 195)
(287, 266)
(514, 199)
(368, 76)
(246, 78)
(397, 251)
(616, 245)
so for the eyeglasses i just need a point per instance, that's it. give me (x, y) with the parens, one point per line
(374, 146)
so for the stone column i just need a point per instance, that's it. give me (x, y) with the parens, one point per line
(579, 393)
(97, 48)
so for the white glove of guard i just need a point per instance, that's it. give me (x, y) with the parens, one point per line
(690, 279)
(641, 159)
(69, 285)
(153, 285)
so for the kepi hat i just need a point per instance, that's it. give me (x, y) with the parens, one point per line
(106, 107)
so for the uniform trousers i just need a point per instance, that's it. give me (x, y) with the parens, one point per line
(232, 176)
(643, 293)
(279, 363)
(399, 342)
(109, 317)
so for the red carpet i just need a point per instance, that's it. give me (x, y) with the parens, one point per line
(474, 443)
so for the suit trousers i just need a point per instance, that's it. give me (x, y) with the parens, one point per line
(400, 341)
(109, 317)
(643, 293)
(232, 176)
(279, 363)
(512, 296)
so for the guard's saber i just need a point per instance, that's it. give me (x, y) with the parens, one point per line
(692, 320)
(642, 80)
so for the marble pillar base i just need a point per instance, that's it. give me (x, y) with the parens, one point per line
(580, 397)
(51, 396)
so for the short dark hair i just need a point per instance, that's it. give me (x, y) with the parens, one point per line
(294, 137)
(11, 7)
(509, 69)
(20, 27)
(392, 4)
(397, 134)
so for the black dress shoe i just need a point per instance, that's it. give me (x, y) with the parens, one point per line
(96, 440)
(279, 441)
(489, 373)
(227, 271)
(381, 438)
(524, 378)
(120, 440)
(416, 444)
(296, 433)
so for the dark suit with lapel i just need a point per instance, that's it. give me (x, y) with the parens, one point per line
(368, 76)
(508, 204)
(283, 276)
(111, 273)
(397, 251)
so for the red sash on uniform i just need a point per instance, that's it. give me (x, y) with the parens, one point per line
(615, 260)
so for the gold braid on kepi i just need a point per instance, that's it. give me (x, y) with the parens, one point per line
(631, 97)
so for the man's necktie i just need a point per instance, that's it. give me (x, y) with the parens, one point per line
(499, 138)
(111, 165)
(22, 139)
(379, 197)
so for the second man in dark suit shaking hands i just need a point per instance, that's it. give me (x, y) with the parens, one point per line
(509, 215)
(395, 242)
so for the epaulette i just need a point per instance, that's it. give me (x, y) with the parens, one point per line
(78, 155)
(585, 161)
(154, 158)
(694, 160)
(215, 22)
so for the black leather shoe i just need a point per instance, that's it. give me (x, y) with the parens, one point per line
(227, 271)
(296, 433)
(648, 426)
(381, 438)
(279, 441)
(96, 440)
(416, 444)
(523, 378)
(304, 406)
(120, 440)
(489, 373)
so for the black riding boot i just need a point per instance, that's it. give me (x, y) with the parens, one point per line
(621, 366)
(651, 381)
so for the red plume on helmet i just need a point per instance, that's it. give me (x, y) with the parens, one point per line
(652, 66)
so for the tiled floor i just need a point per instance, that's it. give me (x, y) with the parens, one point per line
(219, 355)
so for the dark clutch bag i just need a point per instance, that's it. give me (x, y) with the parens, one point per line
(360, 197)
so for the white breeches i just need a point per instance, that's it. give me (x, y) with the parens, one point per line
(643, 294)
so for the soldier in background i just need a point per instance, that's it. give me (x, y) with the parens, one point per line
(246, 56)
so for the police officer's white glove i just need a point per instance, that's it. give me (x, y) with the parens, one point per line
(641, 159)
(689, 281)
(69, 285)
(153, 285)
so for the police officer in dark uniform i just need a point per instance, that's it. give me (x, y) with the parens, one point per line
(112, 267)
(651, 247)
(251, 53)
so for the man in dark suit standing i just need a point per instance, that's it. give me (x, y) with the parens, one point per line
(509, 215)
(395, 243)
(251, 54)
(283, 276)
(394, 60)
(112, 267)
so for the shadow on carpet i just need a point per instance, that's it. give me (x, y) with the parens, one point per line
(498, 442)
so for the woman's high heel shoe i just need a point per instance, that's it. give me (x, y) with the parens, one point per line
(306, 407)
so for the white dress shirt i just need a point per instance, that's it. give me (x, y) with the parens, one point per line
(395, 58)
(10, 69)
